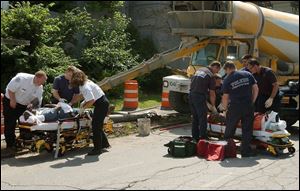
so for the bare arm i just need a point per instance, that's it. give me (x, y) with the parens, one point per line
(88, 104)
(274, 90)
(12, 98)
(76, 98)
(55, 94)
(254, 92)
(212, 97)
(225, 99)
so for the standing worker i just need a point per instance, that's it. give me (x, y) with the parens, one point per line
(62, 91)
(268, 95)
(202, 82)
(239, 94)
(24, 91)
(93, 95)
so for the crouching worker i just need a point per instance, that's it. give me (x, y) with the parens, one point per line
(24, 91)
(93, 95)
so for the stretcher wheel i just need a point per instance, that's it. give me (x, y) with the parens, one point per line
(61, 151)
(49, 148)
(272, 150)
(291, 150)
(279, 151)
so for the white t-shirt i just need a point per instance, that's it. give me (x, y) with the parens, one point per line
(24, 88)
(90, 91)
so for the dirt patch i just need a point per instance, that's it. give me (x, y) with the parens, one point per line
(128, 128)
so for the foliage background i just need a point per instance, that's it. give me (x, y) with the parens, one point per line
(63, 34)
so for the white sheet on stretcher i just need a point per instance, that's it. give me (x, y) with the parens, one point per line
(258, 134)
(52, 126)
(269, 127)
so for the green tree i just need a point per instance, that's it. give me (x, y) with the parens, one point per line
(104, 45)
(110, 50)
(33, 23)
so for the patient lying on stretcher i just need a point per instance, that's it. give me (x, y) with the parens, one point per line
(59, 111)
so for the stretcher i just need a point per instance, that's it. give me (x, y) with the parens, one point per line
(269, 132)
(58, 136)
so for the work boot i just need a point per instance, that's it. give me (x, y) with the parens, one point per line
(107, 146)
(248, 154)
(10, 151)
(95, 152)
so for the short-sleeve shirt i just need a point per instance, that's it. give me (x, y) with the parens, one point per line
(62, 85)
(265, 79)
(202, 81)
(239, 87)
(91, 91)
(245, 69)
(24, 88)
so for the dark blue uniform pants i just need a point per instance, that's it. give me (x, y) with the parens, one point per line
(10, 120)
(199, 111)
(100, 111)
(245, 113)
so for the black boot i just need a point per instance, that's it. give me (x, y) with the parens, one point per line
(95, 151)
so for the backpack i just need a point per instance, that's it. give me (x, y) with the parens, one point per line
(183, 146)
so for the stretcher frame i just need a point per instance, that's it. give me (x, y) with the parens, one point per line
(81, 133)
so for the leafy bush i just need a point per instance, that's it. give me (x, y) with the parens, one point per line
(33, 23)
(110, 51)
(100, 47)
(104, 43)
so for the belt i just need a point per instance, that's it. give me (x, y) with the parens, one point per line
(17, 102)
(198, 93)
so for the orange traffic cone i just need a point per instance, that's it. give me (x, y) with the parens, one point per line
(131, 99)
(165, 104)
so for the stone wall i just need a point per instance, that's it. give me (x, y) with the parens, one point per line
(150, 18)
(284, 6)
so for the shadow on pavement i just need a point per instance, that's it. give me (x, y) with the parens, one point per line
(77, 161)
(294, 131)
(69, 159)
(239, 162)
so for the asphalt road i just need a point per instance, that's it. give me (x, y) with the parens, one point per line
(136, 162)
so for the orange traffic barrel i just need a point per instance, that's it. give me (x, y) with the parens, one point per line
(131, 99)
(165, 104)
(2, 117)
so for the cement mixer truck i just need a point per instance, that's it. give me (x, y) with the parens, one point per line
(226, 30)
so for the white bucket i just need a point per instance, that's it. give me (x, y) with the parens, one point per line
(144, 125)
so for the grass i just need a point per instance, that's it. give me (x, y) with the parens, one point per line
(145, 101)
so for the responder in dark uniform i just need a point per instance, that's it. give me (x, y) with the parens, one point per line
(268, 96)
(62, 91)
(218, 86)
(239, 93)
(22, 92)
(219, 82)
(202, 82)
(244, 60)
(93, 96)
